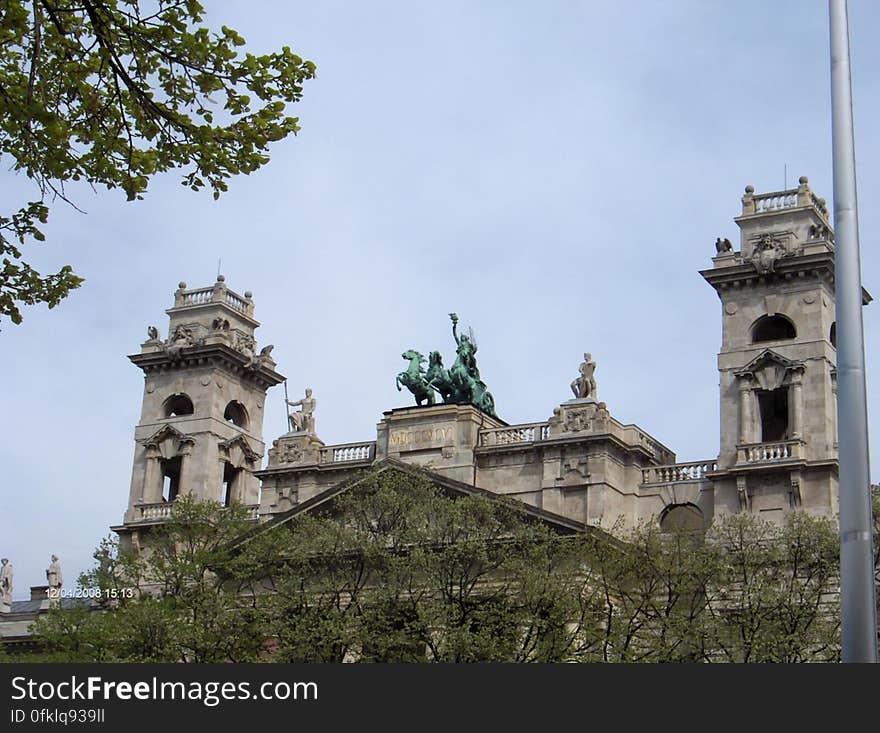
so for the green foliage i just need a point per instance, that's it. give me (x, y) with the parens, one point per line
(169, 603)
(112, 92)
(394, 570)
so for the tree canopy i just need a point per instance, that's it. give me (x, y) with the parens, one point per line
(112, 92)
(399, 571)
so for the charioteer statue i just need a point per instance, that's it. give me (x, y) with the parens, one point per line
(461, 384)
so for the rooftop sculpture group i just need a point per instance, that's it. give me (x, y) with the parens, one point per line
(461, 384)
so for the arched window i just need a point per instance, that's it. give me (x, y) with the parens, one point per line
(773, 328)
(236, 414)
(177, 405)
(832, 336)
(681, 517)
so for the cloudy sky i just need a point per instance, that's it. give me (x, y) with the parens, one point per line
(555, 172)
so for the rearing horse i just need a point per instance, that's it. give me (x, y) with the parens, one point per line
(414, 378)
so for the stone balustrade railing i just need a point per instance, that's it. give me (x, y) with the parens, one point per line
(237, 302)
(513, 434)
(348, 452)
(195, 297)
(762, 203)
(785, 450)
(161, 511)
(218, 293)
(678, 472)
(775, 201)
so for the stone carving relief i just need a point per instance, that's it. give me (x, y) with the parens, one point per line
(767, 250)
(303, 448)
(182, 337)
(577, 420)
(245, 343)
(285, 453)
(574, 418)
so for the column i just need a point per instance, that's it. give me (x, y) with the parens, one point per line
(184, 487)
(746, 417)
(796, 394)
(152, 491)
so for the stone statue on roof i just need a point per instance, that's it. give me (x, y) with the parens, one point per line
(53, 574)
(303, 420)
(5, 585)
(584, 387)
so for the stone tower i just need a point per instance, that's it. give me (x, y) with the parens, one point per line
(201, 426)
(777, 361)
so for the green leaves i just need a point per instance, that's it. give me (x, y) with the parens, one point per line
(395, 570)
(99, 91)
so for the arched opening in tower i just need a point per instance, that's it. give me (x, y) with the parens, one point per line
(229, 487)
(773, 406)
(773, 328)
(170, 478)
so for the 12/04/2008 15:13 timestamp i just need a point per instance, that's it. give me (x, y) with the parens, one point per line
(93, 593)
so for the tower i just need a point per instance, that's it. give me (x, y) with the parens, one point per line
(777, 363)
(201, 425)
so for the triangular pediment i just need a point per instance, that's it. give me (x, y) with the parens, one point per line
(163, 434)
(324, 502)
(240, 442)
(767, 358)
(770, 371)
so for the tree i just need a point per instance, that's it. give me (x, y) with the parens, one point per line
(393, 569)
(112, 92)
(171, 603)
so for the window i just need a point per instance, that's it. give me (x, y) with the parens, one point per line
(171, 478)
(773, 406)
(228, 488)
(177, 405)
(832, 336)
(236, 414)
(773, 328)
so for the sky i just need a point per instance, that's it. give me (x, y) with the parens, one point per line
(556, 173)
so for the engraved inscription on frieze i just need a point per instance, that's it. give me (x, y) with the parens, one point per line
(403, 440)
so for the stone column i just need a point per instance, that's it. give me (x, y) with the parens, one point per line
(746, 417)
(184, 485)
(796, 393)
(152, 492)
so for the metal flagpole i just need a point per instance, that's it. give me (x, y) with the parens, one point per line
(858, 608)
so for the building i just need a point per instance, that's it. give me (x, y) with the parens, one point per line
(205, 386)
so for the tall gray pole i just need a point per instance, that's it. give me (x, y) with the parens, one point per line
(859, 611)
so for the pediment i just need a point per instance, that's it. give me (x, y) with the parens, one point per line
(238, 448)
(769, 369)
(168, 440)
(325, 502)
(767, 358)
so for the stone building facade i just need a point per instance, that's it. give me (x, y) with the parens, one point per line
(205, 387)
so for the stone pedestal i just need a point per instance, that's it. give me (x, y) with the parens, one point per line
(295, 447)
(441, 438)
(579, 416)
